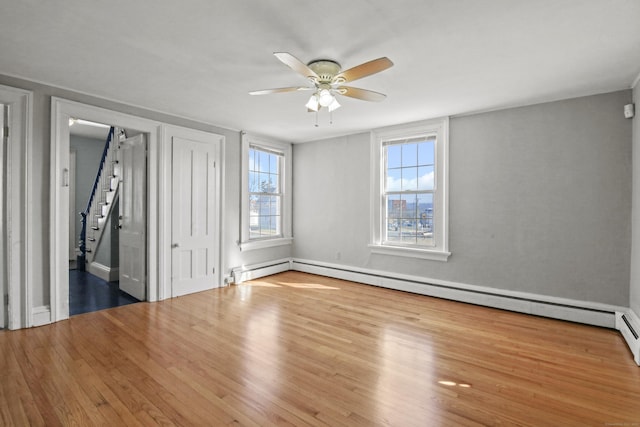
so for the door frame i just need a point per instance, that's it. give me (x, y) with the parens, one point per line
(61, 111)
(18, 206)
(72, 206)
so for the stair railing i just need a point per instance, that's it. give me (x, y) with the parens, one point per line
(84, 214)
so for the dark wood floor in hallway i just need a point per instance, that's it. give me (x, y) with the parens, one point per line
(297, 349)
(89, 293)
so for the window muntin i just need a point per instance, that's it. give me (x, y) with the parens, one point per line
(265, 193)
(409, 185)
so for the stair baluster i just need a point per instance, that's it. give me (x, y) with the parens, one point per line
(97, 205)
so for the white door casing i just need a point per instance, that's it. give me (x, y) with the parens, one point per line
(195, 211)
(17, 203)
(133, 214)
(61, 111)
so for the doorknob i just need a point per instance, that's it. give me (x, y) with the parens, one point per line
(175, 245)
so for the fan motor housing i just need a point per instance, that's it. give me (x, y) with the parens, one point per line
(326, 69)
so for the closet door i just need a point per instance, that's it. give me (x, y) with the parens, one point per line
(195, 239)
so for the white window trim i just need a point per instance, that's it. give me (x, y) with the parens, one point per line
(440, 127)
(286, 238)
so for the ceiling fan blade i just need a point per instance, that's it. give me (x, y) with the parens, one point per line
(296, 65)
(280, 90)
(363, 94)
(363, 70)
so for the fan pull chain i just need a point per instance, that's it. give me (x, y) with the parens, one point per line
(316, 119)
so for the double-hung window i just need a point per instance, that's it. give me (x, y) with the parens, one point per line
(409, 199)
(265, 193)
(266, 200)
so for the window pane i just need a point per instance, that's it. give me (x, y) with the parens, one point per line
(409, 179)
(409, 155)
(395, 207)
(273, 163)
(253, 182)
(394, 179)
(425, 178)
(273, 181)
(264, 161)
(274, 208)
(252, 162)
(408, 220)
(410, 211)
(264, 182)
(394, 159)
(425, 221)
(394, 215)
(426, 153)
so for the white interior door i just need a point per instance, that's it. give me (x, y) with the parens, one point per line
(133, 217)
(194, 239)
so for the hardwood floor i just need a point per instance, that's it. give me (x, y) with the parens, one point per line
(297, 349)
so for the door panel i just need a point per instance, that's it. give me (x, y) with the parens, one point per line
(133, 217)
(193, 216)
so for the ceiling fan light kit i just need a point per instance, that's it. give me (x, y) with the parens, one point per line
(328, 79)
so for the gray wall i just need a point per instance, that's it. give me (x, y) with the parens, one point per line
(540, 201)
(635, 252)
(40, 181)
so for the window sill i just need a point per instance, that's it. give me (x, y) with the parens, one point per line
(431, 254)
(265, 243)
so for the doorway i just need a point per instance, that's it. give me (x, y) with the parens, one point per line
(107, 216)
(62, 111)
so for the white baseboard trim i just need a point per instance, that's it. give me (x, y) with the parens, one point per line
(255, 271)
(41, 315)
(586, 312)
(628, 324)
(108, 274)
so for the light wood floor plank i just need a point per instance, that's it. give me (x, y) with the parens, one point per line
(296, 349)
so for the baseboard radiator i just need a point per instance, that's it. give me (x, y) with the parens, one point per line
(629, 326)
(590, 313)
(256, 271)
(596, 314)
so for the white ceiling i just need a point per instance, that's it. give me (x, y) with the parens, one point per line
(200, 58)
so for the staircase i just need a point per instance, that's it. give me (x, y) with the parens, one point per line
(103, 196)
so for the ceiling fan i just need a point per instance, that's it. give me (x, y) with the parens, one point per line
(328, 79)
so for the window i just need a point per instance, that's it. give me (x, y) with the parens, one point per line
(265, 194)
(409, 199)
(408, 190)
(266, 202)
